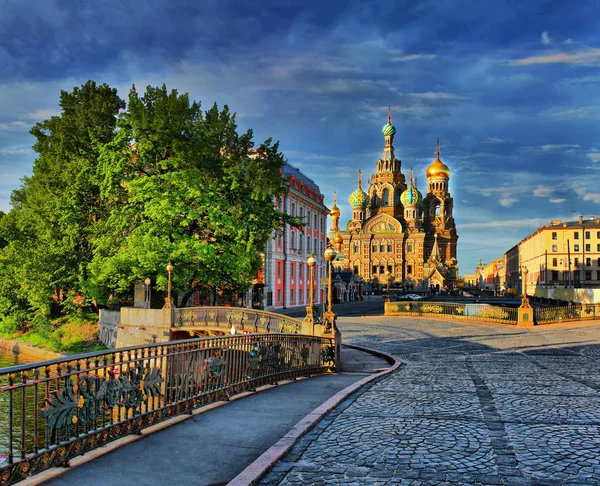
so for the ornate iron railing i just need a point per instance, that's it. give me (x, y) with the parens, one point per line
(55, 410)
(482, 312)
(576, 312)
(247, 320)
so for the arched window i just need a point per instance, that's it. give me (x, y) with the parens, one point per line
(437, 210)
(385, 197)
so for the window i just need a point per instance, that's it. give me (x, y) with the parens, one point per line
(278, 271)
(300, 269)
(575, 247)
(588, 263)
(293, 240)
(554, 235)
(374, 269)
(576, 262)
(279, 239)
(598, 247)
(576, 276)
(554, 248)
(554, 276)
(389, 248)
(301, 213)
(315, 222)
(409, 248)
(293, 210)
(308, 244)
(279, 295)
(588, 275)
(292, 270)
(374, 248)
(386, 197)
(587, 236)
(389, 269)
(588, 247)
(381, 248)
(315, 244)
(597, 234)
(356, 248)
(576, 236)
(307, 219)
(554, 262)
(355, 269)
(381, 270)
(322, 225)
(293, 294)
(301, 294)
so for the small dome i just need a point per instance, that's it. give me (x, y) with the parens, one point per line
(335, 211)
(388, 130)
(338, 239)
(438, 168)
(358, 199)
(411, 197)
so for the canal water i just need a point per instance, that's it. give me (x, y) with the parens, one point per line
(8, 358)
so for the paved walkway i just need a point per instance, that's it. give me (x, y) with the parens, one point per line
(475, 404)
(213, 447)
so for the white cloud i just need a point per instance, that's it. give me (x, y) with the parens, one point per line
(496, 140)
(430, 95)
(41, 114)
(15, 150)
(552, 146)
(587, 57)
(541, 191)
(583, 112)
(510, 224)
(568, 41)
(557, 200)
(508, 201)
(546, 39)
(594, 197)
(13, 125)
(413, 57)
(594, 156)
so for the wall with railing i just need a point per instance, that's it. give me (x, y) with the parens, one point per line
(108, 320)
(55, 410)
(481, 312)
(575, 312)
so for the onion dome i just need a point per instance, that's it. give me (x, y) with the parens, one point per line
(438, 168)
(338, 239)
(359, 198)
(335, 211)
(389, 130)
(411, 197)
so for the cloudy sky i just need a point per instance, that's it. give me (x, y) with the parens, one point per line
(511, 88)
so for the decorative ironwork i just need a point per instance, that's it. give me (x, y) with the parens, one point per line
(575, 312)
(484, 312)
(245, 320)
(59, 409)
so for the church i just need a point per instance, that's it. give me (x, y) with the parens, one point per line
(396, 236)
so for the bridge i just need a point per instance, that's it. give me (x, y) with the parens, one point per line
(56, 410)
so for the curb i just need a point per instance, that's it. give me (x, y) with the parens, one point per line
(267, 460)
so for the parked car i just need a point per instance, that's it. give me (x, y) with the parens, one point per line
(414, 296)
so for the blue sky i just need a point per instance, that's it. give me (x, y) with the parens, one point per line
(511, 88)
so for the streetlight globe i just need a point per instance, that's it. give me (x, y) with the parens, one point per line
(330, 254)
(312, 261)
(170, 267)
(147, 281)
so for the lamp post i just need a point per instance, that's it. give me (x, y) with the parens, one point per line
(524, 299)
(147, 293)
(310, 310)
(168, 302)
(387, 277)
(329, 316)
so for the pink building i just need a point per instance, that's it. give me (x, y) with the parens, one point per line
(286, 276)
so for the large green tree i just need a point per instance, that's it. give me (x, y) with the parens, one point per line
(186, 188)
(117, 193)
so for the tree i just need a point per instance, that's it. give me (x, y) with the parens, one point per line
(49, 227)
(186, 188)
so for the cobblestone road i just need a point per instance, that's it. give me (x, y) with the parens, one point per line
(474, 404)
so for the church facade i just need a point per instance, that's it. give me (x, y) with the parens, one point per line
(397, 235)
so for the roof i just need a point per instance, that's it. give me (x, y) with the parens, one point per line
(291, 170)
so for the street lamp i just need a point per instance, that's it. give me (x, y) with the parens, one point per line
(329, 316)
(168, 302)
(310, 310)
(387, 277)
(525, 300)
(147, 293)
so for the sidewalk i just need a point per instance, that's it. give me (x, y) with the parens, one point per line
(214, 446)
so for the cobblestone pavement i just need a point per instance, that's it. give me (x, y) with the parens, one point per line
(474, 404)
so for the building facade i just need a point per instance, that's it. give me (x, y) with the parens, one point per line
(560, 254)
(396, 234)
(285, 278)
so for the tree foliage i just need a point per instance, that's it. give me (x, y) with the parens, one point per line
(118, 191)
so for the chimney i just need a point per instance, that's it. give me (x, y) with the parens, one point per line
(580, 219)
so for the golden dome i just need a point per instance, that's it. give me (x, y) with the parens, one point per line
(338, 239)
(335, 211)
(438, 168)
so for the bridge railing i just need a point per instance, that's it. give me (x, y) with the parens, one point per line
(55, 410)
(248, 320)
(575, 312)
(482, 312)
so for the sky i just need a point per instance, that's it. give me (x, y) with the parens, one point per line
(511, 88)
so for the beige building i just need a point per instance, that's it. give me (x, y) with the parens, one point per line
(560, 254)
